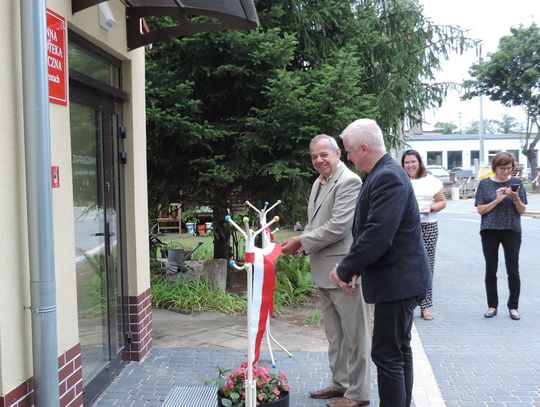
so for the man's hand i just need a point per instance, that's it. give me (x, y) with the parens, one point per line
(342, 285)
(292, 245)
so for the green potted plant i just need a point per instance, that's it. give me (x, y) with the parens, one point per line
(190, 220)
(173, 210)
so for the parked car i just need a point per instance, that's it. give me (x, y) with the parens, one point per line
(462, 172)
(439, 171)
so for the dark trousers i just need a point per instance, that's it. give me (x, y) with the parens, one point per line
(391, 351)
(511, 243)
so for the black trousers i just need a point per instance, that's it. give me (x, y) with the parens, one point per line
(511, 243)
(391, 351)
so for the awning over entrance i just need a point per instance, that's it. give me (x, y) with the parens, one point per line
(218, 15)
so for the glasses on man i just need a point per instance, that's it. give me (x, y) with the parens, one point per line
(504, 169)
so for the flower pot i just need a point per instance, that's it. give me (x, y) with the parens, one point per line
(190, 228)
(201, 229)
(281, 402)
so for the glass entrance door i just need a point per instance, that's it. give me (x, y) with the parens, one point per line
(94, 125)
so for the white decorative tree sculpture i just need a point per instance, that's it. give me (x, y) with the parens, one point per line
(259, 266)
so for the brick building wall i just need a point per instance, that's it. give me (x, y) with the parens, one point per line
(70, 380)
(140, 325)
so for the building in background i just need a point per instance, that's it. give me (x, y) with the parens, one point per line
(96, 107)
(461, 150)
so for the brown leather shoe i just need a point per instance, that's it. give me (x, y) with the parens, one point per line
(326, 393)
(345, 402)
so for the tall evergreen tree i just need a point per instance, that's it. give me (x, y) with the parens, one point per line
(230, 114)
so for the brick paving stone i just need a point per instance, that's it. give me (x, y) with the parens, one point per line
(165, 368)
(479, 361)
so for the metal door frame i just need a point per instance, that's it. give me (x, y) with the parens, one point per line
(86, 93)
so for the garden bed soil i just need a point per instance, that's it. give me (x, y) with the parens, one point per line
(237, 284)
(299, 314)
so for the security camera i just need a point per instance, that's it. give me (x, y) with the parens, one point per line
(106, 17)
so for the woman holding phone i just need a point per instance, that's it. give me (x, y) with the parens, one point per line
(501, 200)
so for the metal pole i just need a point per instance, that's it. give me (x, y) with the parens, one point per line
(481, 132)
(39, 203)
(481, 117)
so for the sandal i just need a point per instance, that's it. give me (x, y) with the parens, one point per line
(426, 314)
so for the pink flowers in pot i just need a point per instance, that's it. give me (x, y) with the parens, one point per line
(270, 386)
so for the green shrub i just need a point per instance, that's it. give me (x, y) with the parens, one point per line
(156, 245)
(205, 252)
(293, 281)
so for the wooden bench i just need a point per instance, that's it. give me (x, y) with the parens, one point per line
(169, 225)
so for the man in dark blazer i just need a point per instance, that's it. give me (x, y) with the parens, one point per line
(388, 253)
(327, 239)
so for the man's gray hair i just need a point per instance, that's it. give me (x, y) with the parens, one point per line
(333, 143)
(364, 131)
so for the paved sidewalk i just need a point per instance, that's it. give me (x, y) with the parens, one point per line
(187, 349)
(479, 361)
(461, 359)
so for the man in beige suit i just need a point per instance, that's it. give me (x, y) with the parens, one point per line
(327, 239)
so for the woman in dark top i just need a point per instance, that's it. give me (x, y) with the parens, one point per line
(501, 200)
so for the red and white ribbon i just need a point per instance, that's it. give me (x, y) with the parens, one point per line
(264, 283)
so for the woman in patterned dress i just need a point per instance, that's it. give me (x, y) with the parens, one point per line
(501, 200)
(430, 197)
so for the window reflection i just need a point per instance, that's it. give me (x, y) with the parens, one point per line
(94, 66)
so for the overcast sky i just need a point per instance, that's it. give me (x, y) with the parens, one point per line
(487, 20)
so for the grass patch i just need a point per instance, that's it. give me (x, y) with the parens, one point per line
(194, 296)
(314, 319)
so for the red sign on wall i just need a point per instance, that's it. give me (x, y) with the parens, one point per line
(56, 57)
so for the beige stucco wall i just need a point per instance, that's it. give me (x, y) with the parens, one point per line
(64, 239)
(138, 262)
(15, 320)
(86, 23)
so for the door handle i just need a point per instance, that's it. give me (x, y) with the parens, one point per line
(103, 234)
(107, 241)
